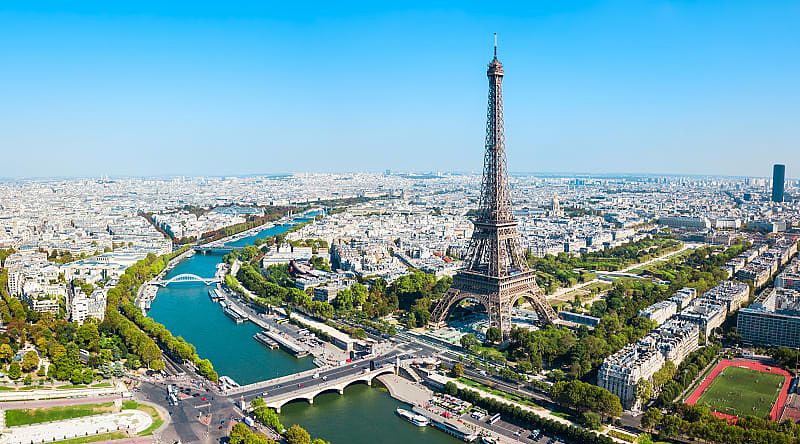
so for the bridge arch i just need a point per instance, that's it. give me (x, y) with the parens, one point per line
(339, 387)
(187, 277)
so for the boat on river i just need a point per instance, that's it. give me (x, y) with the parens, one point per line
(265, 340)
(413, 418)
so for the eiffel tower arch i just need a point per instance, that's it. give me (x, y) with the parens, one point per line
(496, 273)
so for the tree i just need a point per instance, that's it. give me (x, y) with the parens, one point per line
(451, 388)
(6, 353)
(412, 321)
(644, 390)
(14, 370)
(266, 415)
(359, 333)
(583, 397)
(360, 294)
(88, 336)
(205, 368)
(457, 370)
(469, 341)
(30, 361)
(651, 418)
(494, 335)
(297, 435)
(241, 434)
(591, 420)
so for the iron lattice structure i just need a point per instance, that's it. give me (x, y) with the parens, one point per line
(496, 273)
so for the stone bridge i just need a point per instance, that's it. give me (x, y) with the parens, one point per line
(310, 391)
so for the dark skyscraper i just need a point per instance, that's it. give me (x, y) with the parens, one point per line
(778, 180)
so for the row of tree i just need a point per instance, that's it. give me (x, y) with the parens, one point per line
(687, 372)
(698, 423)
(528, 419)
(141, 332)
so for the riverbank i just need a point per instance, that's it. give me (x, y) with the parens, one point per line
(358, 417)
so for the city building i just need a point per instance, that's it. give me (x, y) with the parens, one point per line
(706, 314)
(772, 320)
(660, 311)
(790, 276)
(778, 182)
(731, 294)
(684, 222)
(684, 297)
(621, 372)
(579, 318)
(675, 339)
(81, 307)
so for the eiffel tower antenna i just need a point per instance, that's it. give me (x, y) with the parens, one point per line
(496, 273)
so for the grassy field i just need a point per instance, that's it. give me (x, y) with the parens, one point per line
(95, 438)
(32, 416)
(743, 392)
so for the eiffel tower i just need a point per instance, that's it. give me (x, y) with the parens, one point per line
(496, 273)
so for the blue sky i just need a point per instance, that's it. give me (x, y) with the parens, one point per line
(234, 87)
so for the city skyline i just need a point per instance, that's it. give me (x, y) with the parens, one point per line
(142, 90)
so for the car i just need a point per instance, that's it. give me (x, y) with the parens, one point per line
(264, 393)
(203, 398)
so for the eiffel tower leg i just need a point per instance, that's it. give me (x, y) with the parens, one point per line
(442, 308)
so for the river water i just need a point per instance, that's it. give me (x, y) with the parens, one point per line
(363, 415)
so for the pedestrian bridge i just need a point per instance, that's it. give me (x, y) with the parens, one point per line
(310, 390)
(186, 277)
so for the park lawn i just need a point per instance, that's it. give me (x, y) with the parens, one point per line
(17, 417)
(743, 392)
(71, 386)
(95, 438)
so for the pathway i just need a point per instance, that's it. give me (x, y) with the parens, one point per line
(406, 391)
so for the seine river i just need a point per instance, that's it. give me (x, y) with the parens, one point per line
(363, 415)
